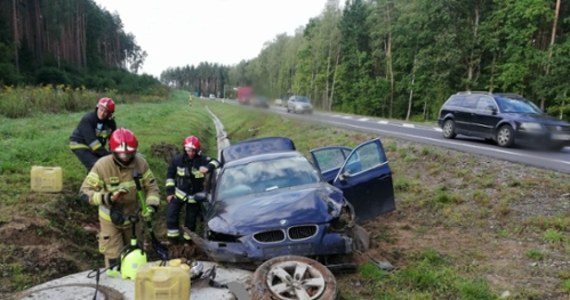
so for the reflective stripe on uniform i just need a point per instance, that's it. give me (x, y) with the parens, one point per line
(96, 199)
(173, 233)
(105, 214)
(95, 145)
(148, 176)
(94, 181)
(186, 236)
(169, 182)
(215, 163)
(76, 145)
(128, 184)
(183, 196)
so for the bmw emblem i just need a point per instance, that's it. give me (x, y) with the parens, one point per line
(283, 222)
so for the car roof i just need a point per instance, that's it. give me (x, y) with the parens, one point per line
(256, 146)
(512, 95)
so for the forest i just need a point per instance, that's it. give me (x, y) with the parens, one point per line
(385, 58)
(73, 43)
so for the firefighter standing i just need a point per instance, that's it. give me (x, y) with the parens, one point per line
(184, 178)
(89, 138)
(110, 186)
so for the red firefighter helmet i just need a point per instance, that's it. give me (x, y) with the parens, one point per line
(191, 142)
(107, 103)
(123, 141)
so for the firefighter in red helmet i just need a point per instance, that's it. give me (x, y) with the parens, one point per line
(110, 185)
(89, 138)
(184, 178)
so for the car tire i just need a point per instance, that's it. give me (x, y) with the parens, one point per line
(505, 136)
(449, 129)
(287, 277)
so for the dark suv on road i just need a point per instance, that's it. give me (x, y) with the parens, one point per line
(507, 119)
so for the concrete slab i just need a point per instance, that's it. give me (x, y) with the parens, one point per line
(80, 286)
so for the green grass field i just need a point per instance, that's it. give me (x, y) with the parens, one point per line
(460, 231)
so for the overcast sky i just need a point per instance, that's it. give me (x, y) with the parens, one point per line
(186, 32)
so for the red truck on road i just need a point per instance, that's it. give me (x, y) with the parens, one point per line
(244, 94)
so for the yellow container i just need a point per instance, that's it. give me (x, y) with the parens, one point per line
(46, 179)
(169, 282)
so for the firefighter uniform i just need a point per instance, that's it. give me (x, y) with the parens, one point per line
(108, 176)
(183, 180)
(89, 138)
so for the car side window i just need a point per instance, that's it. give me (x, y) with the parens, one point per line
(330, 158)
(485, 104)
(470, 102)
(455, 101)
(365, 158)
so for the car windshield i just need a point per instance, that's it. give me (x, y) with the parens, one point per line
(517, 105)
(302, 99)
(266, 175)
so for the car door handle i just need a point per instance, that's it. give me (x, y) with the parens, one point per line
(384, 176)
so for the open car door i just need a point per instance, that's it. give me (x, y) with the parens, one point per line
(363, 175)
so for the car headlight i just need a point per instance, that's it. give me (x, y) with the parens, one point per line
(531, 126)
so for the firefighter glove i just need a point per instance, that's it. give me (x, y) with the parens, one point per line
(189, 199)
(148, 213)
(119, 193)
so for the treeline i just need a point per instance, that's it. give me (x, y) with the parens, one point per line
(402, 59)
(71, 42)
(202, 80)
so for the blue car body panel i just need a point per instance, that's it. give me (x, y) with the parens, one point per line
(364, 176)
(246, 223)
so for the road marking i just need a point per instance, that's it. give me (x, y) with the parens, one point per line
(408, 125)
(347, 117)
(383, 122)
(437, 129)
(363, 119)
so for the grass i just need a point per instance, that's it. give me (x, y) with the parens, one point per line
(444, 199)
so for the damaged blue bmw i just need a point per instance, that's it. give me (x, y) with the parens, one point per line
(269, 200)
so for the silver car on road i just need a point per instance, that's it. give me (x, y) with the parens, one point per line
(299, 104)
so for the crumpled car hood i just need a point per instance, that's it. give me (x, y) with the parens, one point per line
(277, 209)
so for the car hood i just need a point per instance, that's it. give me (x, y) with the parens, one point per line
(540, 118)
(310, 204)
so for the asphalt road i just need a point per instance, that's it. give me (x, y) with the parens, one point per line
(426, 134)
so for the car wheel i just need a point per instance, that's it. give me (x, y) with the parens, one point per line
(505, 136)
(449, 129)
(293, 277)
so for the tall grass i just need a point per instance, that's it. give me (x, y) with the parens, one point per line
(19, 102)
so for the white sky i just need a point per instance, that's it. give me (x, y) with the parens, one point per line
(186, 32)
